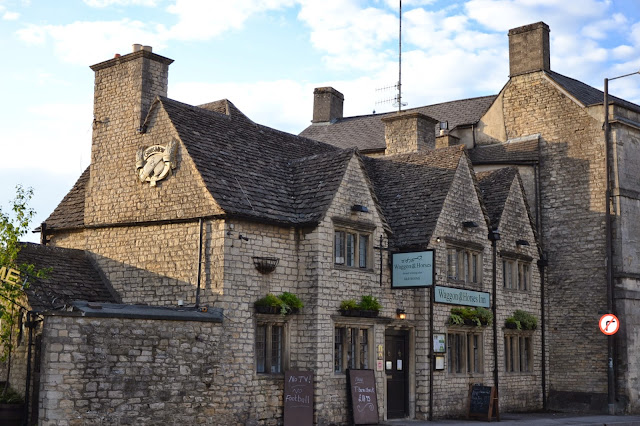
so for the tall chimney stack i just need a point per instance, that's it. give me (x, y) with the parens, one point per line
(529, 49)
(327, 105)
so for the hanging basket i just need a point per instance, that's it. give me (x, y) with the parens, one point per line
(265, 265)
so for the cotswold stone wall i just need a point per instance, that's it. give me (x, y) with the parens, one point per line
(519, 391)
(108, 371)
(572, 173)
(114, 193)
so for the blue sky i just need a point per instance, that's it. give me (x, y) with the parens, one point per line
(267, 56)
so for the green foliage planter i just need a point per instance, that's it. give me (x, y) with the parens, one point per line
(285, 304)
(464, 315)
(521, 320)
(11, 407)
(369, 307)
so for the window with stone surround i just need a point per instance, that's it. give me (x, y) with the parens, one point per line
(516, 273)
(465, 354)
(352, 348)
(271, 353)
(464, 264)
(352, 244)
(518, 351)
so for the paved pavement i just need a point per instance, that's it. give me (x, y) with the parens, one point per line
(513, 419)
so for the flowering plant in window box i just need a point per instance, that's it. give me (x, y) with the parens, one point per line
(521, 320)
(369, 306)
(285, 304)
(464, 315)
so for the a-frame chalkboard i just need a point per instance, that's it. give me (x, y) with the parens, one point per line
(363, 396)
(483, 402)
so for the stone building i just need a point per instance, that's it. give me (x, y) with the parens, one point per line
(551, 128)
(188, 215)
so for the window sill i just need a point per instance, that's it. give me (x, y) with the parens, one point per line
(352, 268)
(270, 376)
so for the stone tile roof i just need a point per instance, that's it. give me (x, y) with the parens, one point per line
(586, 94)
(315, 181)
(411, 189)
(249, 169)
(225, 106)
(522, 150)
(495, 186)
(70, 212)
(366, 132)
(72, 277)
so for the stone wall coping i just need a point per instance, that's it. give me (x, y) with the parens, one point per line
(408, 115)
(530, 27)
(117, 310)
(130, 57)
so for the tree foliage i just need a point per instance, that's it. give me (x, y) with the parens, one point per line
(14, 225)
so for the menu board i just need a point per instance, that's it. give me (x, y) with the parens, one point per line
(364, 399)
(298, 398)
(481, 402)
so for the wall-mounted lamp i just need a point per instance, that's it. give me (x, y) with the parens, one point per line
(494, 235)
(359, 208)
(242, 237)
(444, 125)
(401, 314)
(522, 242)
(438, 239)
(469, 224)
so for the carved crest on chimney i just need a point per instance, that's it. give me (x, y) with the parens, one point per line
(156, 162)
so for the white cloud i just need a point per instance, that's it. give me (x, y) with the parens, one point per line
(61, 139)
(10, 16)
(599, 29)
(199, 20)
(351, 36)
(85, 43)
(106, 3)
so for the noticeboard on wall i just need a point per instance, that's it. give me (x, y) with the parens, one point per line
(411, 270)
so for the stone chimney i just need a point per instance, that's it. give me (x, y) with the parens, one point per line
(407, 132)
(125, 87)
(124, 90)
(529, 49)
(446, 139)
(327, 105)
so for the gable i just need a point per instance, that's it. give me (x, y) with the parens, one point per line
(411, 190)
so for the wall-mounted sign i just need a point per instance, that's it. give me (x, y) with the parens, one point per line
(460, 296)
(609, 324)
(9, 275)
(439, 343)
(412, 269)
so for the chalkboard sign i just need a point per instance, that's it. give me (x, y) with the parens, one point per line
(298, 398)
(364, 399)
(483, 402)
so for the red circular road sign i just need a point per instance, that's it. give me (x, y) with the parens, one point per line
(609, 324)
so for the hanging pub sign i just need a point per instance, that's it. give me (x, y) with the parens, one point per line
(410, 270)
(9, 275)
(298, 398)
(460, 296)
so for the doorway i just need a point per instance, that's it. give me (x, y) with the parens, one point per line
(396, 363)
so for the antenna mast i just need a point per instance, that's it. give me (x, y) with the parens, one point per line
(397, 99)
(400, 61)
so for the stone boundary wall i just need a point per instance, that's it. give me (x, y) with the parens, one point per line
(113, 371)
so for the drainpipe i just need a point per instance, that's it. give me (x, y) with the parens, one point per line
(27, 392)
(611, 392)
(431, 353)
(494, 236)
(199, 263)
(542, 263)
